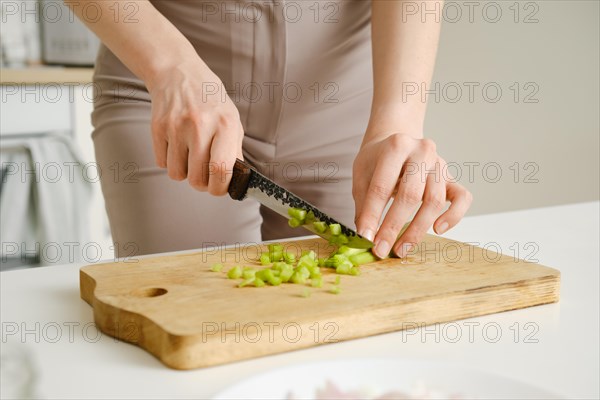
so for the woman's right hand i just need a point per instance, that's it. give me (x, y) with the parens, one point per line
(196, 128)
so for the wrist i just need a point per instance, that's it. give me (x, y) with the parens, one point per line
(180, 62)
(392, 119)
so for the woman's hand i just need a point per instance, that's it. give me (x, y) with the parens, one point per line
(196, 128)
(410, 171)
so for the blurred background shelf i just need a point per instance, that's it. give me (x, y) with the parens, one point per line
(46, 74)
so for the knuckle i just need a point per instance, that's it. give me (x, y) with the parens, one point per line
(410, 195)
(380, 191)
(436, 201)
(398, 142)
(428, 146)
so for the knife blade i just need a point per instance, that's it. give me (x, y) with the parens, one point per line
(247, 181)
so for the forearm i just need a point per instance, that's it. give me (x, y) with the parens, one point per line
(404, 50)
(147, 43)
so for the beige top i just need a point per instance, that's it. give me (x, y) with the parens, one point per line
(282, 62)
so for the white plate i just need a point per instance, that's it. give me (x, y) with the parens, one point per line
(374, 377)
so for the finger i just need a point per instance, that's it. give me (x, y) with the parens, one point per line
(198, 161)
(224, 149)
(460, 201)
(380, 190)
(360, 188)
(159, 144)
(408, 197)
(177, 156)
(434, 201)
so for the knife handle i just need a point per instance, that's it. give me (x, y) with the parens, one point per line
(239, 180)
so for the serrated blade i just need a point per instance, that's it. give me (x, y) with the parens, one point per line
(246, 181)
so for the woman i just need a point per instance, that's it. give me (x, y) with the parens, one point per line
(185, 87)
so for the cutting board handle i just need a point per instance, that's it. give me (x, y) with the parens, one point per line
(239, 180)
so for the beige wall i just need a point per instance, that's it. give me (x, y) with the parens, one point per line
(558, 135)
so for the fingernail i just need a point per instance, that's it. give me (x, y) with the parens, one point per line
(382, 249)
(443, 228)
(368, 234)
(404, 249)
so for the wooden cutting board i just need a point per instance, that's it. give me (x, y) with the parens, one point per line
(190, 317)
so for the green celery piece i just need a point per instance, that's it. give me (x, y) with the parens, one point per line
(276, 255)
(281, 265)
(294, 223)
(303, 271)
(276, 272)
(247, 282)
(343, 269)
(316, 281)
(259, 282)
(355, 271)
(348, 251)
(289, 258)
(216, 267)
(298, 278)
(362, 258)
(335, 229)
(314, 271)
(265, 259)
(339, 259)
(320, 227)
(310, 217)
(275, 281)
(321, 262)
(235, 272)
(248, 273)
(338, 279)
(334, 290)
(265, 274)
(306, 293)
(286, 275)
(297, 213)
(273, 247)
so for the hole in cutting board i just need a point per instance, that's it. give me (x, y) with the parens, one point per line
(150, 292)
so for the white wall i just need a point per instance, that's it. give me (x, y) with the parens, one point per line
(558, 134)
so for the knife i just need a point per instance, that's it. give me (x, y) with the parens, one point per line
(247, 181)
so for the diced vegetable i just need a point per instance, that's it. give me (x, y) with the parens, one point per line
(247, 282)
(320, 227)
(297, 213)
(259, 282)
(362, 258)
(248, 273)
(306, 292)
(334, 290)
(235, 272)
(335, 229)
(216, 267)
(265, 259)
(316, 282)
(289, 258)
(294, 223)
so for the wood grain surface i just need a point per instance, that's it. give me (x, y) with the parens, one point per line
(190, 317)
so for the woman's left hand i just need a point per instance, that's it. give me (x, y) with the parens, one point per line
(410, 171)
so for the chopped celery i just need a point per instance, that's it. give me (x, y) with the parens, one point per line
(235, 272)
(259, 282)
(348, 251)
(275, 281)
(294, 223)
(248, 273)
(320, 227)
(298, 278)
(317, 282)
(265, 274)
(335, 229)
(306, 292)
(304, 272)
(343, 269)
(310, 217)
(216, 267)
(314, 272)
(297, 213)
(276, 255)
(362, 258)
(334, 290)
(340, 239)
(289, 258)
(355, 271)
(338, 279)
(265, 259)
(286, 275)
(247, 282)
(273, 247)
(321, 262)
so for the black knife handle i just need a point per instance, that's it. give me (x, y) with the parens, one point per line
(239, 180)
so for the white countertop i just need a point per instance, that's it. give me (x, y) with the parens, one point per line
(557, 346)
